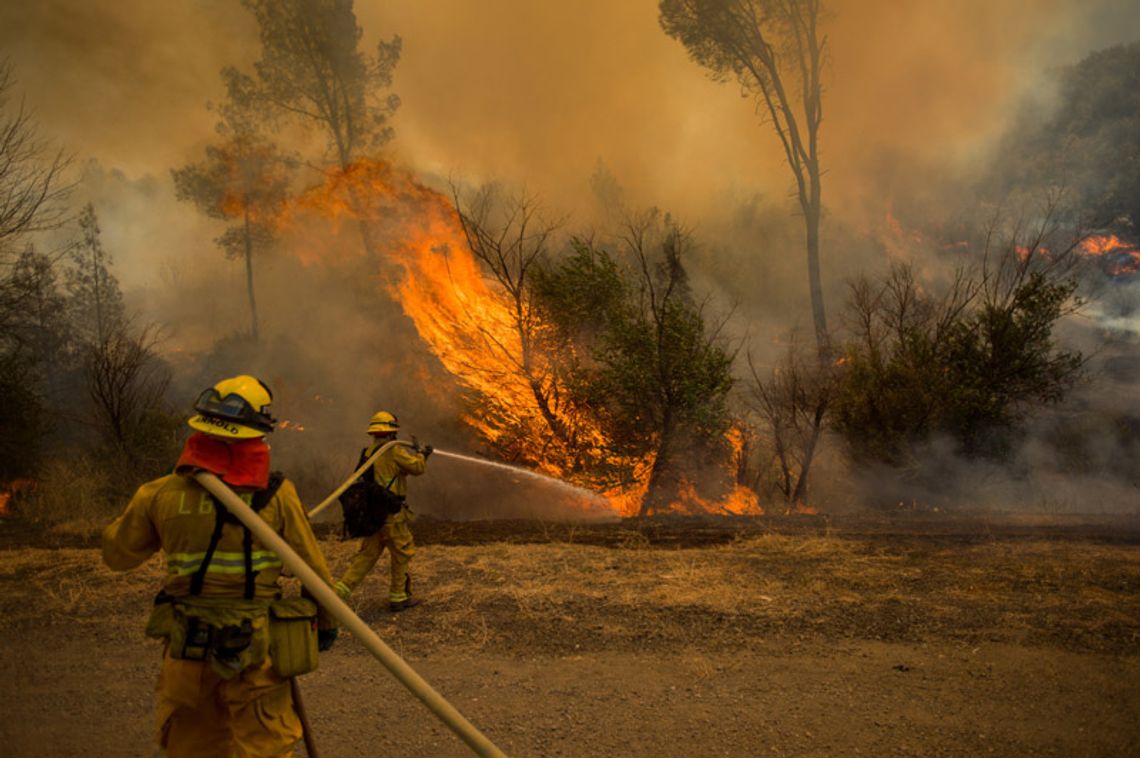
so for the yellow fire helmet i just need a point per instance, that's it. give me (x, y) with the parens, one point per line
(237, 408)
(383, 422)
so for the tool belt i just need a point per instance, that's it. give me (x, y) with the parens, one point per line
(232, 635)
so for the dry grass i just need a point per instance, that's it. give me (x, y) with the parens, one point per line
(1037, 589)
(72, 497)
(1073, 594)
(73, 586)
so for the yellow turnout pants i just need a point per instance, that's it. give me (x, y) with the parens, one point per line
(397, 537)
(201, 715)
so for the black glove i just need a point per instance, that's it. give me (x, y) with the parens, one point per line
(326, 638)
(428, 450)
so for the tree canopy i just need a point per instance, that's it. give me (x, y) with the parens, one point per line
(641, 354)
(1089, 141)
(311, 68)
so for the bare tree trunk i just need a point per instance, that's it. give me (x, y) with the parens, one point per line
(249, 278)
(99, 336)
(659, 492)
(800, 493)
(819, 316)
(555, 424)
(782, 456)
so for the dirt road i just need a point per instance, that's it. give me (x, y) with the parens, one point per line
(773, 644)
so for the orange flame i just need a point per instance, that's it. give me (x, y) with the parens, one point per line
(13, 488)
(254, 181)
(469, 323)
(740, 502)
(1119, 257)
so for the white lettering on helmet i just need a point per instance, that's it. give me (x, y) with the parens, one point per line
(231, 428)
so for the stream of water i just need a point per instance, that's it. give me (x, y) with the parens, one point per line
(581, 492)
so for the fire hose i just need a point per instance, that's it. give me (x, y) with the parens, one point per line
(331, 602)
(355, 474)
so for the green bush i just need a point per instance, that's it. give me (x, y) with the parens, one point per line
(967, 364)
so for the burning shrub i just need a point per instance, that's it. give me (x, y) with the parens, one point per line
(653, 372)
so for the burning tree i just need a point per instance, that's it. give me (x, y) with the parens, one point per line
(312, 72)
(511, 239)
(596, 368)
(657, 376)
(775, 50)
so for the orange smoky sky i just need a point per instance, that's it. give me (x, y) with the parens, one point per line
(537, 92)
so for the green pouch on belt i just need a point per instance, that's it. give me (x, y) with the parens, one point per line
(161, 621)
(230, 635)
(293, 636)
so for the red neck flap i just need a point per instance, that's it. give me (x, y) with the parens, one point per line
(240, 463)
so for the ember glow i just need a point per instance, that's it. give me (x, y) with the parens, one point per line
(468, 323)
(13, 489)
(1119, 258)
(740, 502)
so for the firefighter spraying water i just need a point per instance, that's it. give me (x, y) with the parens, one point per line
(581, 492)
(384, 519)
(566, 487)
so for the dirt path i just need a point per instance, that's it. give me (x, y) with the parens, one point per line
(853, 698)
(790, 645)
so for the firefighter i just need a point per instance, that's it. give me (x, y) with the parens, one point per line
(390, 470)
(231, 642)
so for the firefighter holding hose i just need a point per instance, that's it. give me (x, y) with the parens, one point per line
(232, 643)
(390, 472)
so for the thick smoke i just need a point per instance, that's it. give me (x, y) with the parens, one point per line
(534, 94)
